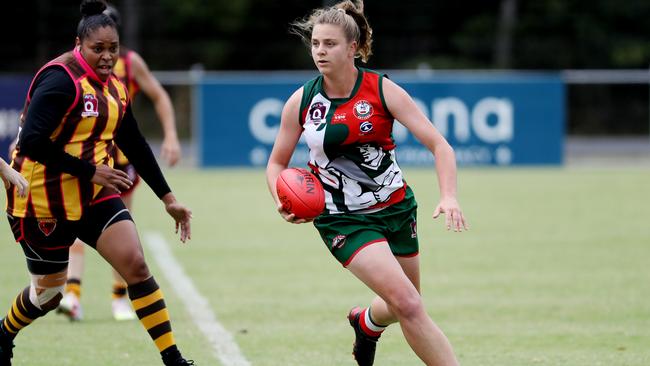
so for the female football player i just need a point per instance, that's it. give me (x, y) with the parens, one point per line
(75, 115)
(346, 115)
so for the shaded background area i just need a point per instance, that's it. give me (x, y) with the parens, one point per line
(410, 34)
(252, 34)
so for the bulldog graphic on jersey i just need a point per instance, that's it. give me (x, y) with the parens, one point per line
(364, 178)
(351, 147)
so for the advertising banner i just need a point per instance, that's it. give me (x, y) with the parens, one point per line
(489, 118)
(13, 90)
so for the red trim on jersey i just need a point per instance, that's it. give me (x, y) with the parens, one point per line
(76, 88)
(132, 84)
(408, 255)
(129, 192)
(105, 199)
(360, 248)
(77, 96)
(89, 70)
(49, 64)
(52, 248)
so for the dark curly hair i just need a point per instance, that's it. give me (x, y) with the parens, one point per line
(92, 18)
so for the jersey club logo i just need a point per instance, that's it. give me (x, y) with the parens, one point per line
(47, 226)
(362, 109)
(90, 106)
(338, 241)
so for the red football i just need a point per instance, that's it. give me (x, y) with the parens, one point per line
(300, 193)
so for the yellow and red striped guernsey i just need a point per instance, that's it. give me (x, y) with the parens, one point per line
(124, 72)
(86, 131)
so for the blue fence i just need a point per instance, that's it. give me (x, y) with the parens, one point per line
(489, 119)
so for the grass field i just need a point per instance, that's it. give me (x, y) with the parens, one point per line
(554, 271)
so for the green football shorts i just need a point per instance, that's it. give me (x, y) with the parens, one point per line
(346, 234)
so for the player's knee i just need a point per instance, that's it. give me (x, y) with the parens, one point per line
(138, 270)
(47, 298)
(407, 306)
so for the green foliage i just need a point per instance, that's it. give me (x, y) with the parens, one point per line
(631, 52)
(207, 16)
(582, 34)
(252, 34)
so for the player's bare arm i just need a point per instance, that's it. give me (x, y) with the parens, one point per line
(402, 106)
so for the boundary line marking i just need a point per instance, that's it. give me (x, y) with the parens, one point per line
(196, 305)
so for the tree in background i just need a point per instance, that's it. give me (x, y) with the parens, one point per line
(252, 34)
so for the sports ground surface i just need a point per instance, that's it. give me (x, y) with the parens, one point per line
(554, 271)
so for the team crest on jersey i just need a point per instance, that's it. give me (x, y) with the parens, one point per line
(362, 109)
(90, 106)
(338, 241)
(47, 226)
(317, 112)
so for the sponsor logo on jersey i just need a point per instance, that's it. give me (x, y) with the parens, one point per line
(47, 226)
(339, 117)
(362, 109)
(90, 106)
(365, 127)
(317, 112)
(338, 241)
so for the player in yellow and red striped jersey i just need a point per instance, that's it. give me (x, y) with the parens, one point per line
(75, 115)
(134, 73)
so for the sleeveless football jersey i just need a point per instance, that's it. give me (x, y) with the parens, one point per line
(123, 71)
(86, 131)
(351, 147)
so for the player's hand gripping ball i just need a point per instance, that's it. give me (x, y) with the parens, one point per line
(300, 193)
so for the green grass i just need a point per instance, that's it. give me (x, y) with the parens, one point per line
(554, 271)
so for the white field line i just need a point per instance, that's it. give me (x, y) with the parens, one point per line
(196, 305)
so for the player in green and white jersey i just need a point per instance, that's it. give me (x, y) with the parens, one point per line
(346, 115)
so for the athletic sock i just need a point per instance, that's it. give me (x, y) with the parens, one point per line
(21, 314)
(149, 305)
(73, 285)
(119, 290)
(368, 326)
